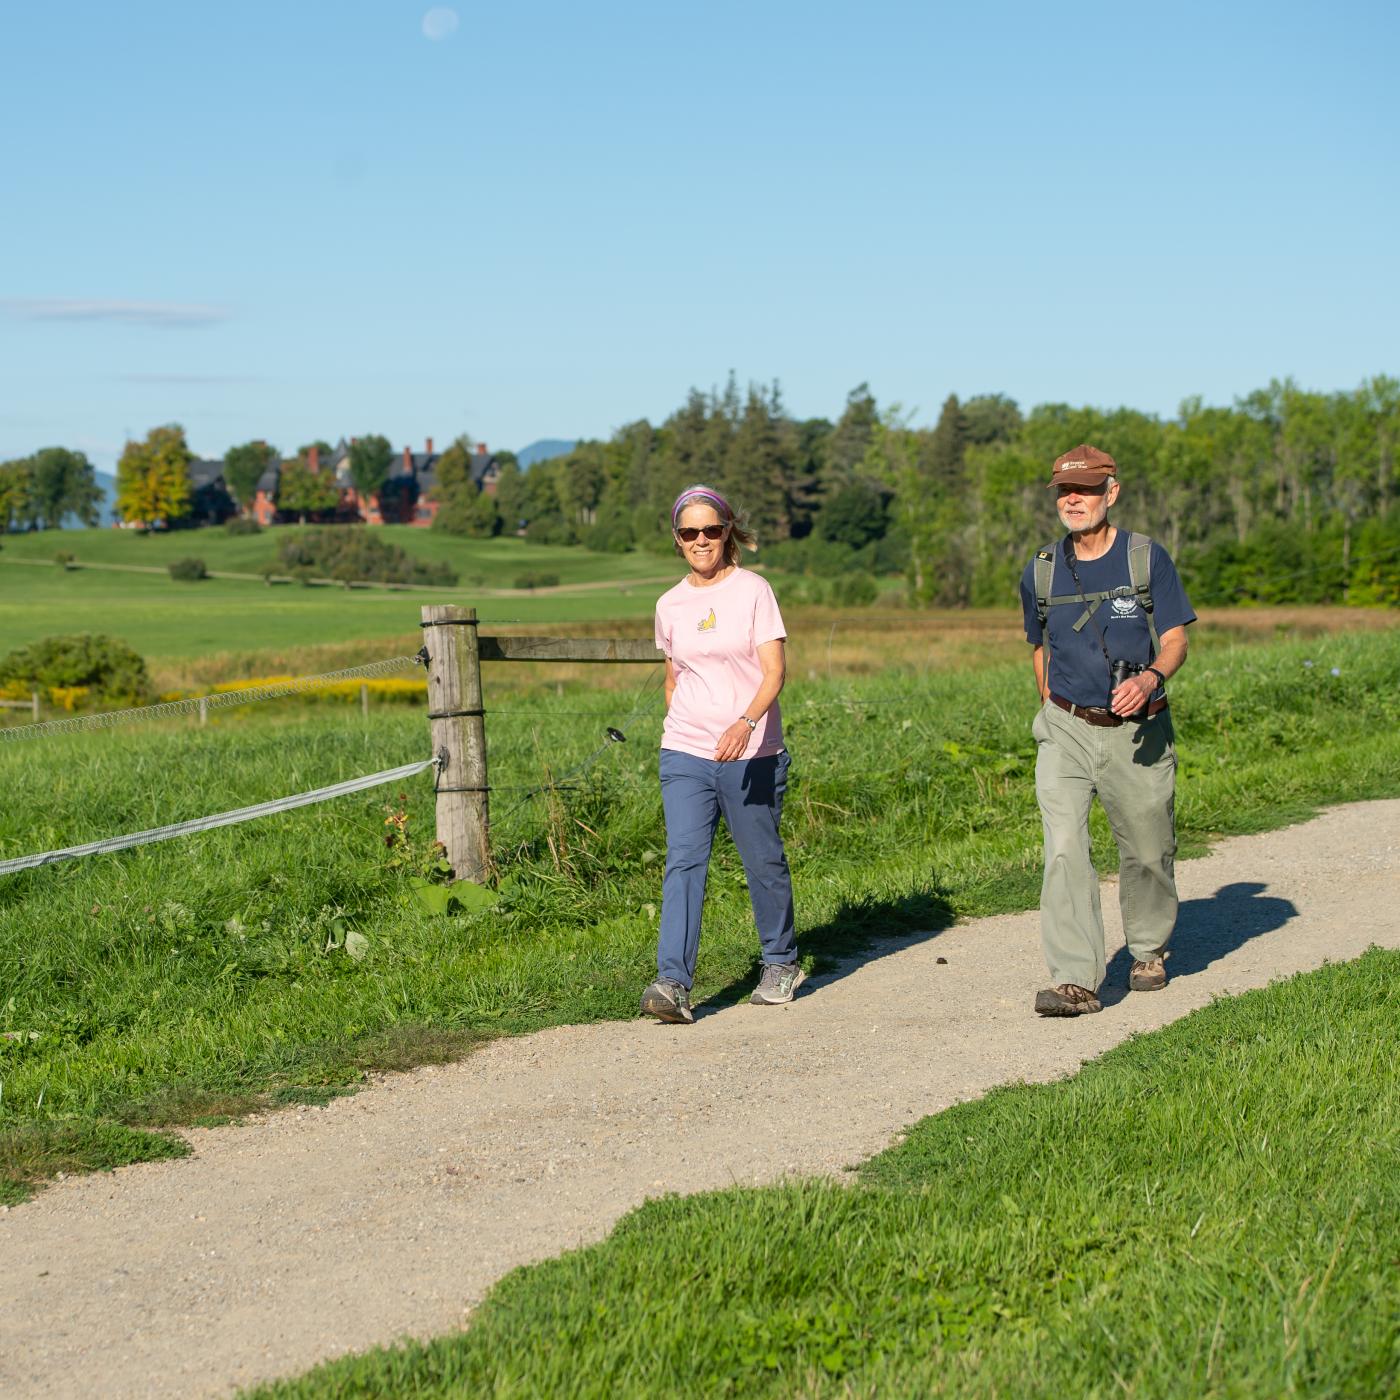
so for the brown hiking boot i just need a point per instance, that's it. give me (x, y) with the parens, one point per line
(1066, 1000)
(1149, 975)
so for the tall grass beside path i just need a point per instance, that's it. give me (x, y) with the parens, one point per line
(1208, 1210)
(199, 979)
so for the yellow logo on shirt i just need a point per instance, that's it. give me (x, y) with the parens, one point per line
(708, 624)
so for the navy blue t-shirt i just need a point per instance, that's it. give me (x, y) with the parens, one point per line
(1078, 671)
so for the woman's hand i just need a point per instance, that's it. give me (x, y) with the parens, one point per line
(733, 741)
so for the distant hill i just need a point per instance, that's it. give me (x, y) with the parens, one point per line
(542, 451)
(109, 495)
(107, 504)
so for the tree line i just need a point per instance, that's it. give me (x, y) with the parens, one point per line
(1287, 495)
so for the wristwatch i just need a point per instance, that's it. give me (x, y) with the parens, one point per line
(1160, 677)
(752, 723)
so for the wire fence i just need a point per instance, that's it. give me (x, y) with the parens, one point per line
(615, 729)
(202, 704)
(614, 734)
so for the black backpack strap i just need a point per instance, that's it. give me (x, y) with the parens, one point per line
(1044, 576)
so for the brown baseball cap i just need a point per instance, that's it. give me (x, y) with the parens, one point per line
(1083, 466)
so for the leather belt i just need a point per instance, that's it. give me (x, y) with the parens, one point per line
(1096, 714)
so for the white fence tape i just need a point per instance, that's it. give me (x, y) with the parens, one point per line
(241, 814)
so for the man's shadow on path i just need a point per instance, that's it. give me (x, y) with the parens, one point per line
(1207, 929)
(855, 935)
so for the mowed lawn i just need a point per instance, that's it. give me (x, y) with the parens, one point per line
(490, 563)
(163, 618)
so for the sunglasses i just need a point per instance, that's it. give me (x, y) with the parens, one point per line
(688, 534)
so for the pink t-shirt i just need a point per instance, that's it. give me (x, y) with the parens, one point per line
(712, 636)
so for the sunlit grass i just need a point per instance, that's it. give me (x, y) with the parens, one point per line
(186, 979)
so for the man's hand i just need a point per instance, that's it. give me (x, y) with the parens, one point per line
(733, 741)
(1132, 695)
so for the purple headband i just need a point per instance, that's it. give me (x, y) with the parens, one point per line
(700, 493)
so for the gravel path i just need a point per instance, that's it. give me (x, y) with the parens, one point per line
(303, 1235)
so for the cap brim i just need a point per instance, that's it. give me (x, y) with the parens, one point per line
(1080, 476)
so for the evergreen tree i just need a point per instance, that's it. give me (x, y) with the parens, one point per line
(805, 482)
(849, 440)
(760, 464)
(946, 447)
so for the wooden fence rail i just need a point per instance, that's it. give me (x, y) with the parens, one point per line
(457, 718)
(32, 705)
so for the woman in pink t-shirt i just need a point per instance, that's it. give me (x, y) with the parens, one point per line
(722, 751)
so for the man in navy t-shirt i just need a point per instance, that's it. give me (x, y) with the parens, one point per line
(1095, 736)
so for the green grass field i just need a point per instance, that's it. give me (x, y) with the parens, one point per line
(489, 563)
(164, 619)
(1208, 1210)
(195, 979)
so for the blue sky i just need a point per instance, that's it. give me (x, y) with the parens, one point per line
(326, 217)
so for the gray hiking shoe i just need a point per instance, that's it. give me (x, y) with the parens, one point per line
(778, 983)
(1066, 1000)
(668, 1001)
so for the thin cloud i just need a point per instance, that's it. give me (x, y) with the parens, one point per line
(439, 22)
(188, 378)
(163, 315)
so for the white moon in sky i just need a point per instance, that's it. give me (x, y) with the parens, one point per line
(439, 22)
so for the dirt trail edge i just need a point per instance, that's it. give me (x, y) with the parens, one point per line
(304, 1235)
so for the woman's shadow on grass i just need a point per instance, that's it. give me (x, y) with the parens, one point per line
(857, 933)
(1207, 929)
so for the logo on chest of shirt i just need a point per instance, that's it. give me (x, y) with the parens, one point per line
(707, 624)
(1125, 607)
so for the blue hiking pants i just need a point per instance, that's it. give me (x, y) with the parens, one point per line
(695, 792)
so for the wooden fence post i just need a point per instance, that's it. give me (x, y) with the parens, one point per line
(34, 704)
(458, 729)
(204, 709)
(364, 701)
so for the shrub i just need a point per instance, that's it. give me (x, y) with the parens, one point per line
(536, 581)
(550, 528)
(242, 525)
(353, 554)
(609, 537)
(857, 590)
(188, 570)
(66, 559)
(107, 668)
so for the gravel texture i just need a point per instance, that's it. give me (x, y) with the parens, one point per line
(302, 1235)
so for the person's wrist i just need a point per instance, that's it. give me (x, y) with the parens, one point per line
(752, 723)
(1153, 671)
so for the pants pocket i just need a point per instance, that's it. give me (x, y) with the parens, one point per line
(1039, 729)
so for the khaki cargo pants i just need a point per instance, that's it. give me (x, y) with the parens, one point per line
(1132, 768)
